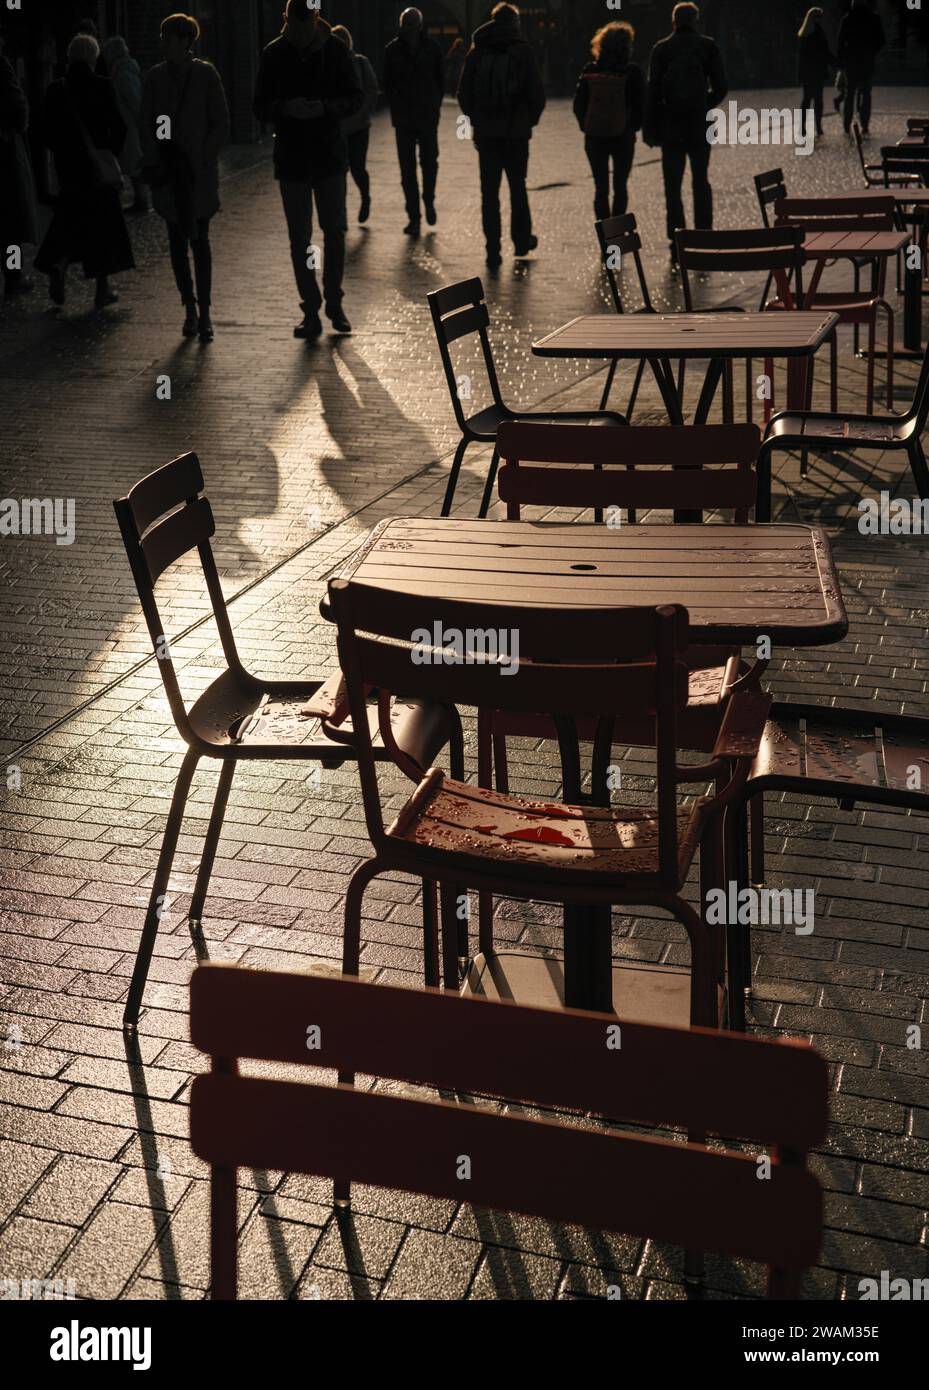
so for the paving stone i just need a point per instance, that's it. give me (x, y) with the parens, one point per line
(30, 1249)
(431, 1267)
(105, 1257)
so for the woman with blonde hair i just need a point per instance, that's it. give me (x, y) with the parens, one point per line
(816, 58)
(608, 105)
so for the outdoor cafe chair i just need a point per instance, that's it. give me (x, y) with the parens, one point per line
(918, 125)
(814, 751)
(771, 1094)
(163, 519)
(823, 432)
(460, 311)
(580, 856)
(856, 307)
(619, 237)
(776, 252)
(878, 175)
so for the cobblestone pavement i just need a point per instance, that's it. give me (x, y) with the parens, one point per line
(304, 449)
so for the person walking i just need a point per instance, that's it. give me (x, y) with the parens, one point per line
(126, 76)
(185, 124)
(307, 86)
(454, 67)
(357, 128)
(816, 58)
(609, 104)
(414, 82)
(861, 38)
(685, 80)
(84, 131)
(18, 212)
(502, 95)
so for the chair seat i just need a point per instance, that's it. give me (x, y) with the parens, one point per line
(523, 836)
(258, 721)
(486, 422)
(847, 305)
(851, 430)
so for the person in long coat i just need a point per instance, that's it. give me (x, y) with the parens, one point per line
(816, 58)
(85, 132)
(184, 126)
(18, 219)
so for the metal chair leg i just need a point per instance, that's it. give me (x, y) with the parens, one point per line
(430, 935)
(449, 905)
(489, 485)
(351, 954)
(609, 383)
(634, 393)
(485, 778)
(211, 843)
(756, 840)
(453, 477)
(159, 889)
(918, 466)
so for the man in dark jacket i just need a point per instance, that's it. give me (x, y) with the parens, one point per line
(861, 37)
(414, 83)
(306, 87)
(502, 95)
(685, 81)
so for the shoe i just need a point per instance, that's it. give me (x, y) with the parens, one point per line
(431, 217)
(364, 211)
(866, 135)
(494, 260)
(528, 246)
(105, 298)
(311, 327)
(20, 284)
(338, 320)
(56, 286)
(205, 327)
(411, 229)
(191, 322)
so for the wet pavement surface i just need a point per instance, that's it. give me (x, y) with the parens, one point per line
(303, 451)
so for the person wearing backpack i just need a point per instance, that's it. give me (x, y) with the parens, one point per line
(414, 83)
(861, 38)
(608, 105)
(502, 95)
(685, 81)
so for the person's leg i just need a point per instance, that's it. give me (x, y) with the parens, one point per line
(700, 174)
(848, 109)
(429, 159)
(623, 155)
(406, 154)
(517, 169)
(599, 160)
(203, 270)
(865, 99)
(491, 163)
(297, 197)
(818, 108)
(330, 205)
(180, 263)
(673, 162)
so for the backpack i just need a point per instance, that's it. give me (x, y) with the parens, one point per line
(684, 85)
(496, 87)
(606, 104)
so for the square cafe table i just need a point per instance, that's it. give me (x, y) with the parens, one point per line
(795, 336)
(738, 583)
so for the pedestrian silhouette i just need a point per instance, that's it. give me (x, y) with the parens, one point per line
(608, 105)
(126, 77)
(84, 131)
(183, 160)
(685, 81)
(18, 212)
(454, 66)
(861, 38)
(307, 86)
(502, 95)
(357, 128)
(816, 58)
(414, 81)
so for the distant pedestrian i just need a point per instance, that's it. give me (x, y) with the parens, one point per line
(18, 213)
(183, 157)
(126, 76)
(816, 58)
(357, 128)
(502, 95)
(685, 81)
(454, 67)
(84, 131)
(861, 38)
(608, 105)
(414, 81)
(307, 86)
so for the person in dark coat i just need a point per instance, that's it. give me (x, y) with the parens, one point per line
(184, 168)
(502, 95)
(816, 58)
(18, 213)
(685, 80)
(608, 104)
(414, 83)
(861, 38)
(454, 67)
(357, 128)
(82, 127)
(307, 86)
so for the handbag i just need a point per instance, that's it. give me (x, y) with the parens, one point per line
(103, 163)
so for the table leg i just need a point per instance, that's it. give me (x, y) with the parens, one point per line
(588, 958)
(665, 378)
(711, 382)
(797, 370)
